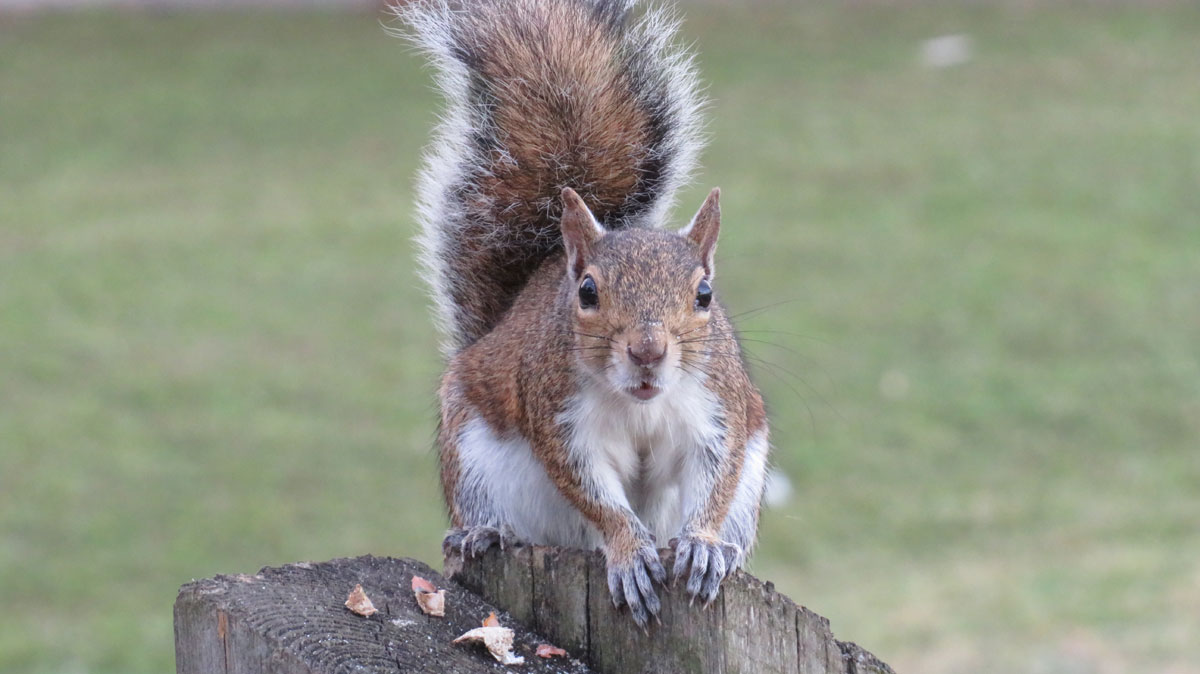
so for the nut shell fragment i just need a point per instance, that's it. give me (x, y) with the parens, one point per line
(498, 641)
(419, 584)
(548, 651)
(360, 603)
(432, 603)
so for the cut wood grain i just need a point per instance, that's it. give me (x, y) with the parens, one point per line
(292, 620)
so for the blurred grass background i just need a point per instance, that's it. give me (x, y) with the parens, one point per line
(982, 292)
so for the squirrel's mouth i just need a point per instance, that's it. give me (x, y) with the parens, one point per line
(645, 391)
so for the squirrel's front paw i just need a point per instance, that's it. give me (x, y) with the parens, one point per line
(710, 559)
(475, 540)
(631, 579)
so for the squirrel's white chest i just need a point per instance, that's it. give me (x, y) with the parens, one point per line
(646, 457)
(645, 451)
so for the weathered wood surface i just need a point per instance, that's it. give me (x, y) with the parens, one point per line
(749, 628)
(293, 620)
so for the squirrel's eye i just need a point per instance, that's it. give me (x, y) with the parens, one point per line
(588, 297)
(703, 294)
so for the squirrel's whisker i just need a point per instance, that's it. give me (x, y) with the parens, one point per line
(758, 310)
(584, 334)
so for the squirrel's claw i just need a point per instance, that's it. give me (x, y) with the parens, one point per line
(452, 543)
(478, 540)
(632, 584)
(475, 540)
(704, 563)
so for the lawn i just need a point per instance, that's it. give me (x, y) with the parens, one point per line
(979, 330)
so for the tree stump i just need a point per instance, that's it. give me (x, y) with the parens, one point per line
(292, 620)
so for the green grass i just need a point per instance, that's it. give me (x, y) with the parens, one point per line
(985, 379)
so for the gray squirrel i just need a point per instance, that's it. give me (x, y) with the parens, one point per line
(595, 393)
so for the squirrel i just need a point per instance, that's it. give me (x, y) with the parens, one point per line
(595, 393)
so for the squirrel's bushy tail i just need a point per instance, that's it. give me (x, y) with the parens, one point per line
(543, 94)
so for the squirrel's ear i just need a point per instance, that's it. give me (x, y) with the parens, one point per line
(579, 231)
(704, 227)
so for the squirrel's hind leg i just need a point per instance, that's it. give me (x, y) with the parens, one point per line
(741, 523)
(475, 514)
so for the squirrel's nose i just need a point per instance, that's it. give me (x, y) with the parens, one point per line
(647, 353)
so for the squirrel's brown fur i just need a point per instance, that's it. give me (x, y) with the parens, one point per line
(595, 392)
(544, 95)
